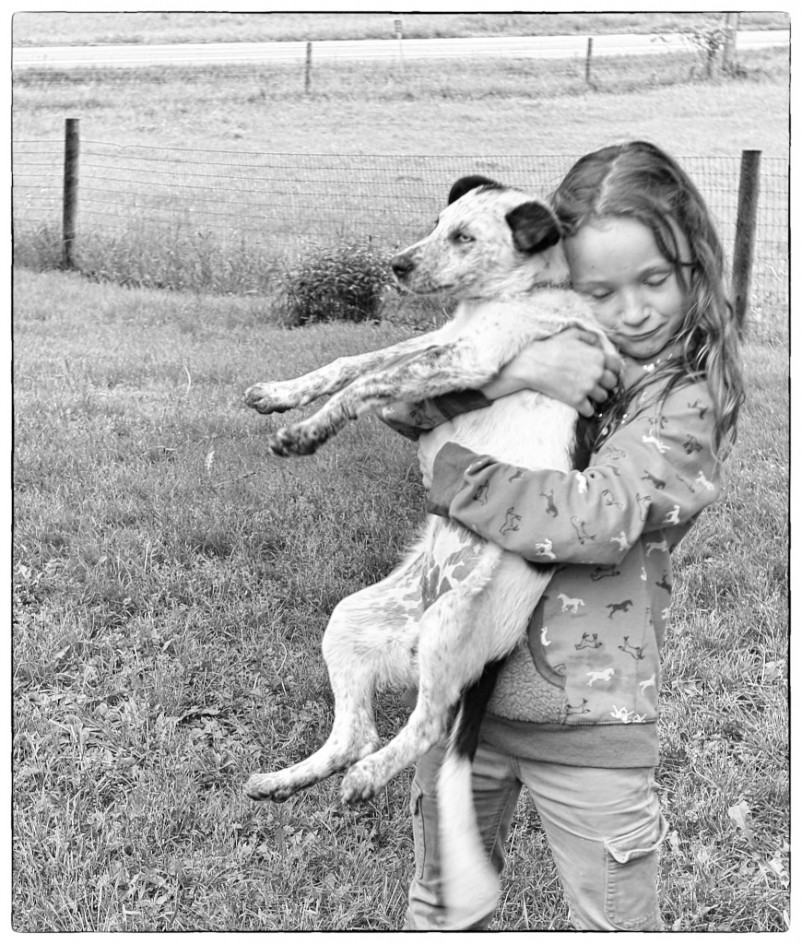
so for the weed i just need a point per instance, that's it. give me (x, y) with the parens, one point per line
(340, 283)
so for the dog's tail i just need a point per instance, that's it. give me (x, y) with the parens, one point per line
(470, 883)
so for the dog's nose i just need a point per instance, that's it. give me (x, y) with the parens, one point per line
(401, 265)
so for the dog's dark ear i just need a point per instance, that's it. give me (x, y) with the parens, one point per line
(534, 227)
(464, 184)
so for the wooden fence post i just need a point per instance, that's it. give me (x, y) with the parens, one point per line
(308, 74)
(743, 254)
(730, 36)
(70, 200)
(400, 36)
(588, 59)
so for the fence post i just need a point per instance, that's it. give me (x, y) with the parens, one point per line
(588, 59)
(399, 36)
(308, 74)
(730, 36)
(70, 199)
(743, 253)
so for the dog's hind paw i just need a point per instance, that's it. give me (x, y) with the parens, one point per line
(360, 783)
(269, 787)
(269, 398)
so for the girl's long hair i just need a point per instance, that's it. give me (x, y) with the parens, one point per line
(640, 181)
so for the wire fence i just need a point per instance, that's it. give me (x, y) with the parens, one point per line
(151, 199)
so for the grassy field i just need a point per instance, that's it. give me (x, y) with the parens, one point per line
(222, 177)
(210, 110)
(62, 28)
(171, 587)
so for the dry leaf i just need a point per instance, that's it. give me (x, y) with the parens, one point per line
(739, 814)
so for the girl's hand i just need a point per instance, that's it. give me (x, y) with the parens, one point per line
(570, 366)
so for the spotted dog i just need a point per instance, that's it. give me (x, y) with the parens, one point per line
(445, 619)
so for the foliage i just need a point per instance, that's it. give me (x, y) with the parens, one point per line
(708, 40)
(337, 283)
(172, 583)
(38, 247)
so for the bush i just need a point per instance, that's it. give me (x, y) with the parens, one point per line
(340, 283)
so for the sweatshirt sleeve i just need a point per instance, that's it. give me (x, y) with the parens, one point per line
(656, 471)
(412, 419)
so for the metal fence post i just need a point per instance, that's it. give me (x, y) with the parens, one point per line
(308, 74)
(70, 199)
(744, 251)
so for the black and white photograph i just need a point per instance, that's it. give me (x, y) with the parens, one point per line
(400, 482)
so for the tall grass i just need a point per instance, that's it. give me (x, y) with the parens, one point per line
(172, 583)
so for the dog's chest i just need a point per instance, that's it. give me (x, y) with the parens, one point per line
(526, 429)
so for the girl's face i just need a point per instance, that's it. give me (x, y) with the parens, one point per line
(632, 287)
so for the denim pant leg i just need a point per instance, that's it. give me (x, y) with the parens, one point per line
(604, 828)
(496, 789)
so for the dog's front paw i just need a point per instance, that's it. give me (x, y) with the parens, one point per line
(269, 787)
(298, 440)
(270, 398)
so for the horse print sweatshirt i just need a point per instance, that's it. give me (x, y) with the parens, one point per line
(582, 687)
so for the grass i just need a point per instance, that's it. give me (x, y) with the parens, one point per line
(171, 587)
(515, 106)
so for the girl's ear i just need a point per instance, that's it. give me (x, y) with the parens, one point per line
(464, 184)
(534, 227)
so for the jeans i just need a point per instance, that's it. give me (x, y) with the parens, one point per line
(604, 828)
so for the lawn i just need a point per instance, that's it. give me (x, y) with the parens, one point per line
(172, 583)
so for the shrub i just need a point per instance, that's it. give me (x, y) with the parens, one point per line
(344, 283)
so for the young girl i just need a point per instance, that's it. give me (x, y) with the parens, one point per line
(573, 717)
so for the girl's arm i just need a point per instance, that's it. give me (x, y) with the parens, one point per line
(570, 366)
(655, 472)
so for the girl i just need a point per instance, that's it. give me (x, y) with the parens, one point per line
(573, 717)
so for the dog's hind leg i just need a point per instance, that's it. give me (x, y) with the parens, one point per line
(479, 621)
(369, 644)
(452, 653)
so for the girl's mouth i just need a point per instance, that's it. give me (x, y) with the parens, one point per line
(644, 336)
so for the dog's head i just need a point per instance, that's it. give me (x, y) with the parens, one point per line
(489, 241)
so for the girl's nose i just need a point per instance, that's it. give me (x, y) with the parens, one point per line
(633, 310)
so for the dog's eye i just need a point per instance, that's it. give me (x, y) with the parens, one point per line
(463, 238)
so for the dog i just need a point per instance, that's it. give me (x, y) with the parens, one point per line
(457, 605)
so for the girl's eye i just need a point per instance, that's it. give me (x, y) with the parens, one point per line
(600, 294)
(655, 281)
